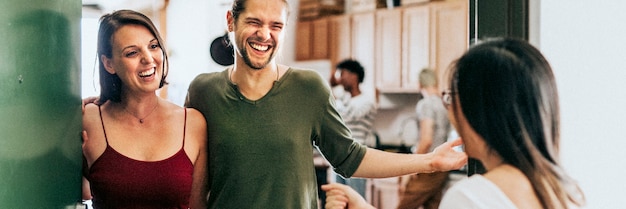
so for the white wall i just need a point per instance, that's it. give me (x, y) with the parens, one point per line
(191, 27)
(585, 41)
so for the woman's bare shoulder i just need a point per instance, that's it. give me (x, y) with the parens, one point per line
(91, 114)
(94, 142)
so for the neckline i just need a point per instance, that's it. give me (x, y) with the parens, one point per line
(109, 147)
(112, 150)
(230, 70)
(182, 149)
(486, 183)
(241, 97)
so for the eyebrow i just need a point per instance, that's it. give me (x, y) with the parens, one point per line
(133, 46)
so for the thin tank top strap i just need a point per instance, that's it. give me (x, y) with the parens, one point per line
(184, 128)
(104, 130)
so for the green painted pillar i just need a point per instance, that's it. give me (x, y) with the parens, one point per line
(40, 114)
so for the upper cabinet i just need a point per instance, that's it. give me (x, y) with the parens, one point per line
(388, 48)
(393, 45)
(303, 39)
(339, 38)
(312, 38)
(362, 35)
(410, 39)
(402, 48)
(449, 32)
(415, 46)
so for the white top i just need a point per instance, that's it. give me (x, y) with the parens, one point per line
(476, 192)
(358, 114)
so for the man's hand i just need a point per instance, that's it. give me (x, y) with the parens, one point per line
(89, 100)
(446, 158)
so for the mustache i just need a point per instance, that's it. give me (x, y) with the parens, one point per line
(261, 40)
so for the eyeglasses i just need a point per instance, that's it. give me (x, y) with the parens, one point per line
(446, 97)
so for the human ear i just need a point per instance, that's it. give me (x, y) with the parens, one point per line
(108, 64)
(230, 21)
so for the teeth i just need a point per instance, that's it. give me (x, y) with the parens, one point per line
(147, 73)
(259, 47)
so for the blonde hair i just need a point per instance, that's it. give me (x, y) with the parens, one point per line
(428, 78)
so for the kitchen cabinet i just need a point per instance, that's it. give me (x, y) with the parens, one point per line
(384, 192)
(388, 50)
(449, 31)
(339, 38)
(303, 40)
(413, 38)
(402, 48)
(320, 39)
(362, 46)
(416, 41)
(312, 39)
(392, 45)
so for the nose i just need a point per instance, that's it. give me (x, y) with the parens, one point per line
(263, 33)
(146, 58)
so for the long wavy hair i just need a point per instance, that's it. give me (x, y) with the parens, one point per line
(110, 84)
(508, 93)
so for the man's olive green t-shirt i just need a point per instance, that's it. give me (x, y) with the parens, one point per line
(260, 151)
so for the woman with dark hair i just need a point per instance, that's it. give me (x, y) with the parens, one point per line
(142, 151)
(502, 100)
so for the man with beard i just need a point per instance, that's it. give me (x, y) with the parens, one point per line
(264, 119)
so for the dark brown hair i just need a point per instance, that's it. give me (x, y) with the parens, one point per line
(239, 6)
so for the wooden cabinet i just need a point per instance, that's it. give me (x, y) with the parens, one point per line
(339, 38)
(413, 38)
(392, 45)
(403, 40)
(320, 39)
(388, 45)
(312, 39)
(363, 46)
(416, 45)
(384, 192)
(449, 31)
(303, 40)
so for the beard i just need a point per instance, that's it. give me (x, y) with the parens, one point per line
(257, 66)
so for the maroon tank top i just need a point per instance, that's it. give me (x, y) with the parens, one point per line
(118, 181)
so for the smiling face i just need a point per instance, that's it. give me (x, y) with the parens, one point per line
(137, 58)
(258, 31)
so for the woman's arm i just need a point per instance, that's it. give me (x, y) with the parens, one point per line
(86, 190)
(199, 188)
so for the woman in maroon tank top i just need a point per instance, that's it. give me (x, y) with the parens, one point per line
(142, 151)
